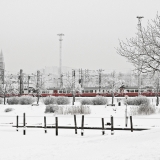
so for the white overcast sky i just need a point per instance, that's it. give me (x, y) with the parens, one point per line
(29, 28)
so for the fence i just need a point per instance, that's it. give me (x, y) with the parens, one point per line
(56, 126)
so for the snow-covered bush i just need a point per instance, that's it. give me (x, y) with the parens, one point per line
(51, 108)
(13, 100)
(99, 100)
(8, 109)
(62, 100)
(50, 100)
(74, 110)
(143, 109)
(24, 100)
(138, 101)
(146, 110)
(86, 101)
(56, 100)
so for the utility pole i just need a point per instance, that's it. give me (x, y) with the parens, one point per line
(81, 78)
(100, 78)
(60, 58)
(38, 85)
(21, 81)
(28, 83)
(139, 72)
(73, 86)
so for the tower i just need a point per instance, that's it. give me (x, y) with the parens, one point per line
(139, 67)
(60, 59)
(2, 68)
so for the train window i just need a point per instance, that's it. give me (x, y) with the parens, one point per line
(64, 91)
(60, 91)
(82, 91)
(95, 91)
(91, 91)
(68, 92)
(86, 91)
(103, 91)
(136, 90)
(131, 90)
(127, 90)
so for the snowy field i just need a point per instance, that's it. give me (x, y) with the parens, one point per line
(37, 145)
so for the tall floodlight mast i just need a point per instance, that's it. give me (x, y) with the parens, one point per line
(139, 70)
(60, 58)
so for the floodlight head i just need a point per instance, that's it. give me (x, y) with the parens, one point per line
(139, 17)
(60, 34)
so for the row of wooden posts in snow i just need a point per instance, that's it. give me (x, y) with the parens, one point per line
(75, 127)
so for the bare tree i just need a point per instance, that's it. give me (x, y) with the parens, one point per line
(113, 85)
(143, 50)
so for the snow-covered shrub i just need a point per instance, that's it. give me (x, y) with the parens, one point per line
(62, 100)
(143, 109)
(51, 108)
(146, 109)
(50, 100)
(24, 100)
(8, 109)
(86, 101)
(138, 101)
(74, 110)
(13, 100)
(99, 100)
(134, 110)
(56, 100)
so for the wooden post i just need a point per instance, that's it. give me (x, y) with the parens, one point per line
(17, 122)
(131, 123)
(45, 130)
(82, 125)
(75, 122)
(24, 124)
(126, 121)
(112, 130)
(103, 132)
(126, 117)
(56, 118)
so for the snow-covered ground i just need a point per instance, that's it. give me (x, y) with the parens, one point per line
(36, 145)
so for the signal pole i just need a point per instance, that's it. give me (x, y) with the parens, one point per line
(60, 58)
(139, 72)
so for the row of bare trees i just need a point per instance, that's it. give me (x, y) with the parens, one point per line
(10, 86)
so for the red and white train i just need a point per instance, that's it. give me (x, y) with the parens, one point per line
(94, 91)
